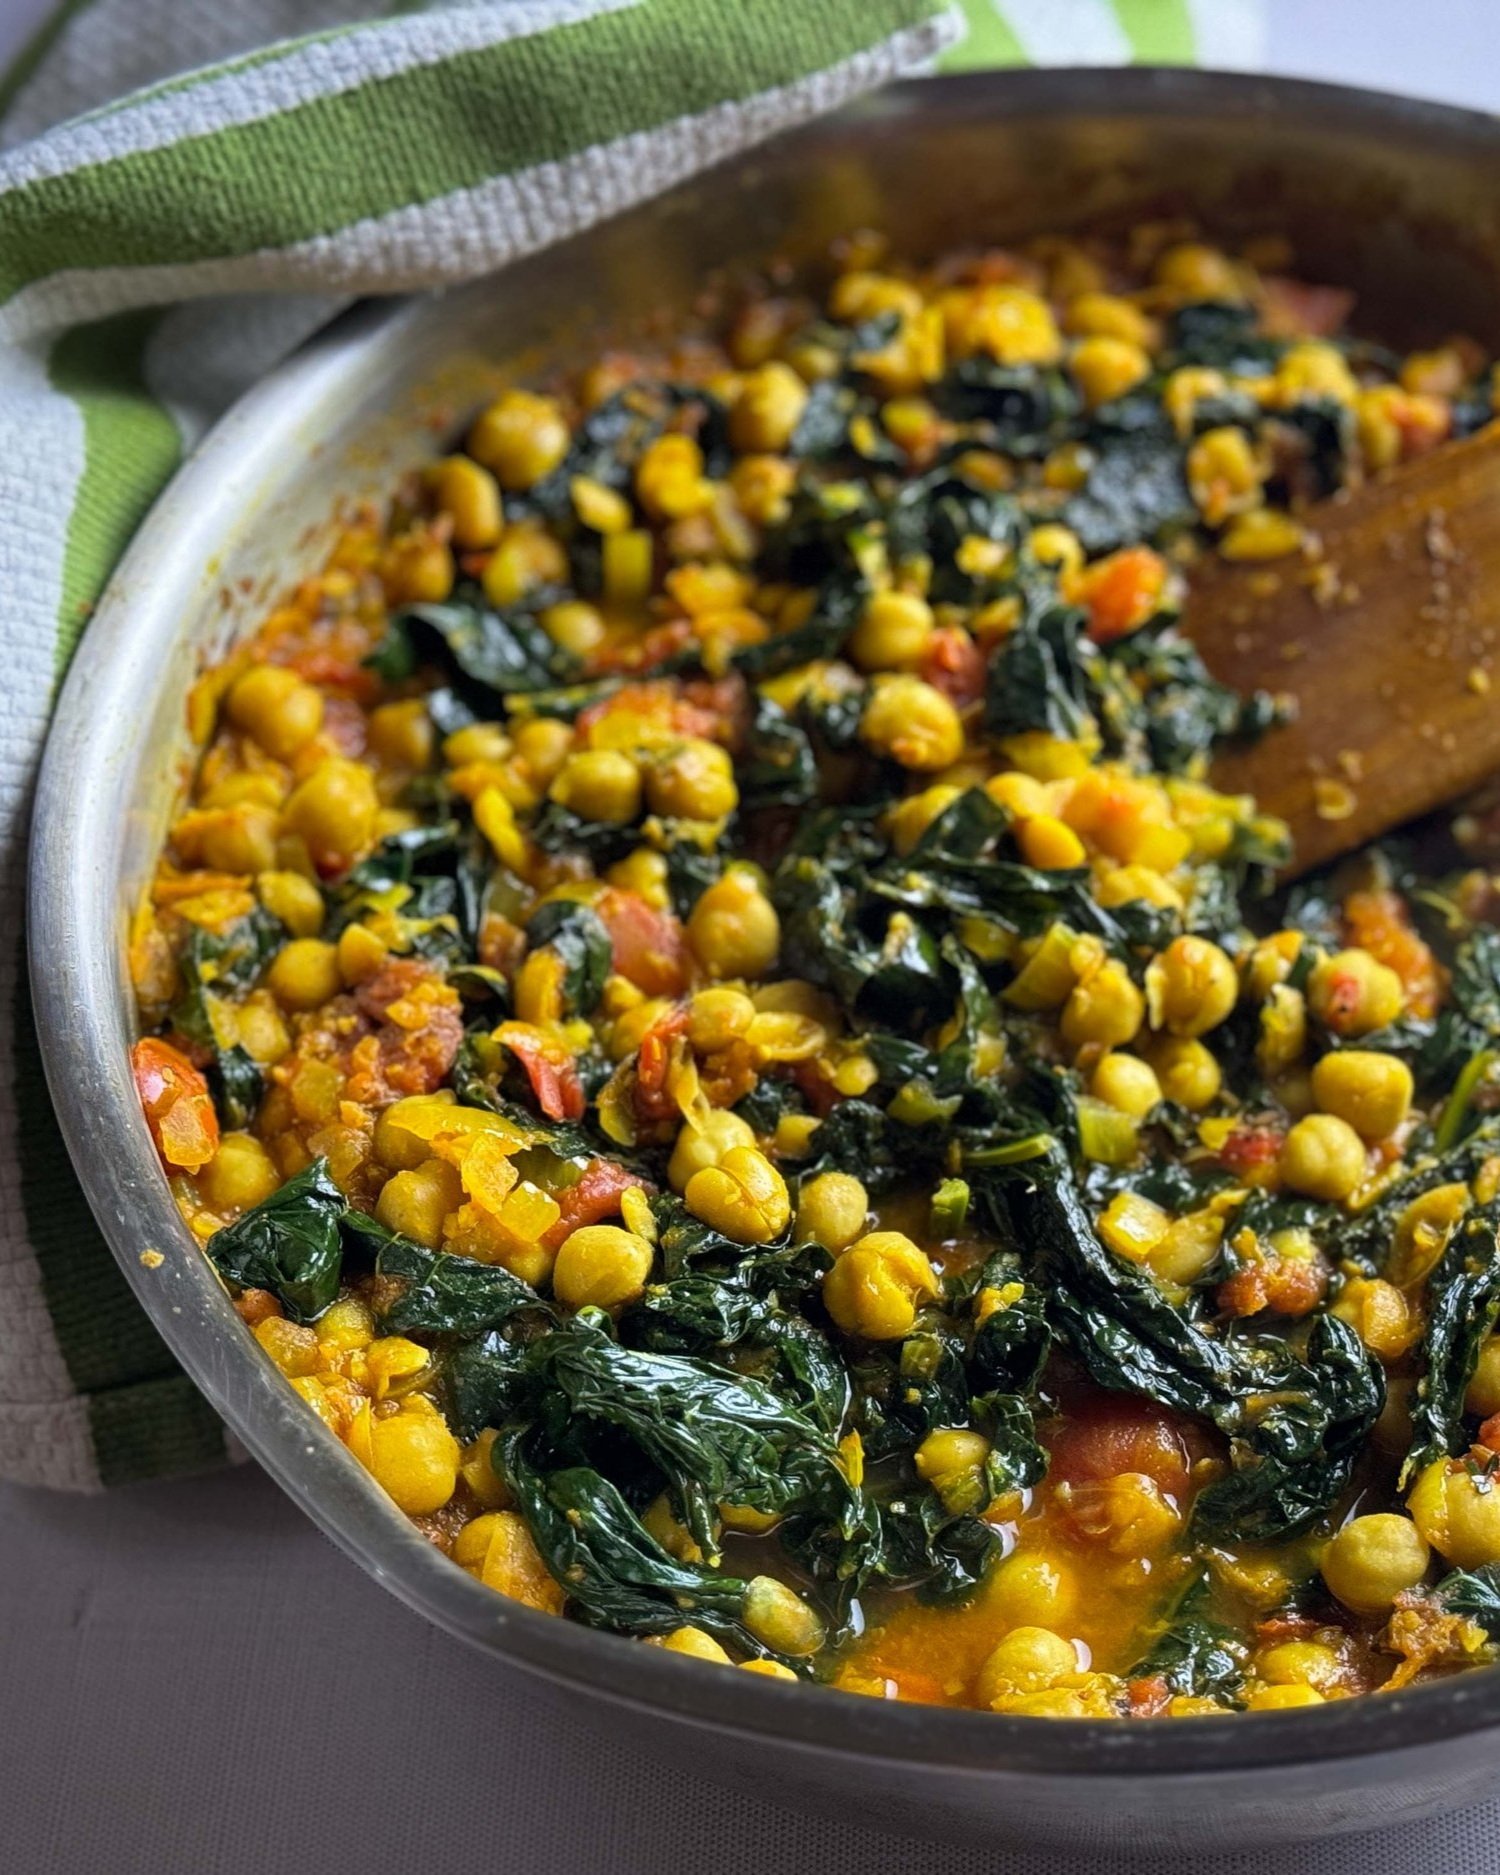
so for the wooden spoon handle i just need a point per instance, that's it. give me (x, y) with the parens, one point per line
(1386, 633)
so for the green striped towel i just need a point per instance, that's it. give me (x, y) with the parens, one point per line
(165, 238)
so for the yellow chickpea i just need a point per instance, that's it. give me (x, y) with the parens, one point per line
(305, 974)
(1191, 987)
(831, 1210)
(415, 1202)
(893, 632)
(912, 722)
(779, 1618)
(1378, 1313)
(401, 734)
(1299, 1663)
(1483, 1395)
(696, 1148)
(1028, 1660)
(1105, 1009)
(418, 569)
(415, 1457)
(1092, 314)
(239, 1175)
(543, 745)
(1049, 844)
(743, 1196)
(1457, 1510)
(1352, 993)
(768, 409)
(574, 625)
(717, 1017)
(1031, 1587)
(334, 812)
(1105, 367)
(910, 818)
(1127, 1083)
(693, 781)
(733, 929)
(601, 1266)
(296, 901)
(520, 437)
(1193, 271)
(696, 1645)
(599, 785)
(469, 495)
(875, 1285)
(278, 708)
(1371, 1091)
(260, 1030)
(292, 1347)
(1373, 1559)
(1323, 1157)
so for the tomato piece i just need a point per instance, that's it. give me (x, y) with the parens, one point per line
(1105, 1434)
(1121, 592)
(551, 1071)
(660, 1046)
(595, 1197)
(331, 669)
(954, 664)
(1296, 310)
(1251, 1149)
(649, 946)
(177, 1104)
(1377, 920)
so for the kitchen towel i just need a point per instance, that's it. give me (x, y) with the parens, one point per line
(185, 194)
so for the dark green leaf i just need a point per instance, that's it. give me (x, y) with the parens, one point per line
(288, 1244)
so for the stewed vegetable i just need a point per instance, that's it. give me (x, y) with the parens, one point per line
(708, 1012)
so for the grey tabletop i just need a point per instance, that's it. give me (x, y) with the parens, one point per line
(193, 1682)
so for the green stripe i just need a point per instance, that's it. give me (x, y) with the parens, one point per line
(421, 134)
(990, 40)
(35, 50)
(105, 1339)
(130, 447)
(1160, 31)
(154, 1430)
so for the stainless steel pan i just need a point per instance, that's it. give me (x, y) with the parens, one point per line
(1398, 199)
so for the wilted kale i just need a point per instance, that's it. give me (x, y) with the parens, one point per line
(487, 652)
(289, 1244)
(217, 967)
(1474, 1594)
(1136, 487)
(1463, 1303)
(1194, 1654)
(575, 934)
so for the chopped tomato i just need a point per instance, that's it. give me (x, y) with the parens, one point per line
(333, 669)
(1295, 310)
(1121, 592)
(649, 946)
(954, 664)
(1377, 920)
(177, 1104)
(1145, 1698)
(1251, 1149)
(549, 1068)
(1489, 1433)
(596, 1196)
(1106, 1434)
(660, 1046)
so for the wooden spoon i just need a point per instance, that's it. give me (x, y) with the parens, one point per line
(1386, 633)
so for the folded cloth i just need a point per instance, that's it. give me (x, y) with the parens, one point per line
(160, 250)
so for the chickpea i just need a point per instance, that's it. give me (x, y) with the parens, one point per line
(599, 785)
(912, 722)
(415, 1202)
(275, 706)
(733, 929)
(1106, 1008)
(910, 818)
(260, 1029)
(239, 1175)
(718, 1017)
(401, 734)
(1323, 1157)
(470, 496)
(296, 901)
(1191, 987)
(894, 631)
(360, 953)
(346, 1324)
(1457, 1510)
(1300, 1663)
(874, 1287)
(415, 1457)
(334, 812)
(1031, 1586)
(1371, 1091)
(1126, 1083)
(1091, 314)
(1223, 474)
(1195, 271)
(542, 745)
(768, 1669)
(575, 626)
(831, 1210)
(1105, 368)
(1187, 1070)
(696, 1645)
(292, 1347)
(477, 742)
(305, 974)
(1378, 1313)
(695, 781)
(767, 410)
(1483, 1396)
(1281, 1698)
(1372, 1559)
(1351, 993)
(601, 1266)
(1028, 1660)
(521, 437)
(779, 1618)
(418, 569)
(743, 1195)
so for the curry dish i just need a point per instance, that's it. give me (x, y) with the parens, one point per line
(707, 1011)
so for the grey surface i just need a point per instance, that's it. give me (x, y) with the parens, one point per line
(193, 1680)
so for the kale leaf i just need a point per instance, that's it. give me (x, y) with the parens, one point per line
(1463, 1305)
(289, 1244)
